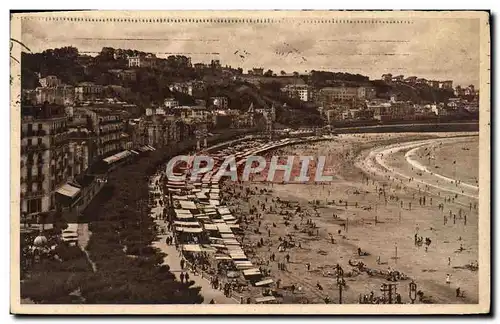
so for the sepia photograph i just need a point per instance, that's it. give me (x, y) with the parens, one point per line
(250, 162)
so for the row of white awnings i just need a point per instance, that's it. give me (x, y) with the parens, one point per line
(223, 210)
(183, 223)
(146, 148)
(117, 157)
(264, 282)
(228, 217)
(265, 299)
(210, 227)
(228, 242)
(191, 248)
(68, 190)
(182, 211)
(224, 228)
(251, 272)
(214, 202)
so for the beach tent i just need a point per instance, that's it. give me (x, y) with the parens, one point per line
(187, 204)
(189, 229)
(228, 217)
(191, 248)
(251, 272)
(181, 223)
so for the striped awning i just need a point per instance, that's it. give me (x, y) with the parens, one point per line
(117, 157)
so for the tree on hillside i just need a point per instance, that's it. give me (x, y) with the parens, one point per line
(296, 74)
(268, 73)
(283, 72)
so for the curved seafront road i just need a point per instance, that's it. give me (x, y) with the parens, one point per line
(376, 163)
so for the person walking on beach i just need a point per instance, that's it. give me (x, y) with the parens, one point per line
(182, 263)
(448, 280)
(187, 277)
(182, 277)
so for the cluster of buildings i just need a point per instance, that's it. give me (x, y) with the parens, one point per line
(142, 61)
(65, 151)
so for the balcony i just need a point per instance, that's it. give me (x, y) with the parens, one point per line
(33, 148)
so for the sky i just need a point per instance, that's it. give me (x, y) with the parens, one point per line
(440, 49)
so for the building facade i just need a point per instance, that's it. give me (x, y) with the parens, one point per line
(327, 96)
(220, 102)
(61, 94)
(88, 91)
(170, 103)
(142, 61)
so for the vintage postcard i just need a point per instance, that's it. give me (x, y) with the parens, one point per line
(259, 162)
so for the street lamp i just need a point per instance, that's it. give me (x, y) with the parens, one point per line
(413, 291)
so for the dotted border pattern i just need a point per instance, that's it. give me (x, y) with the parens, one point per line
(226, 20)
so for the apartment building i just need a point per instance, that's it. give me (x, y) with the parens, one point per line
(220, 102)
(145, 61)
(300, 91)
(45, 158)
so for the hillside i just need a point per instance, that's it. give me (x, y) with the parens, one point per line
(419, 93)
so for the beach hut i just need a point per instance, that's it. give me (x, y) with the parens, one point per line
(264, 283)
(252, 272)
